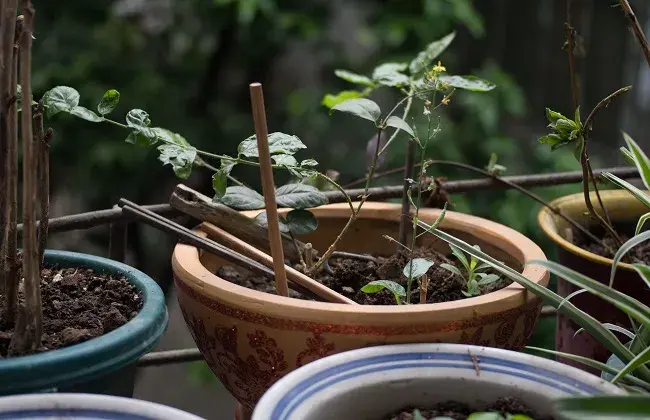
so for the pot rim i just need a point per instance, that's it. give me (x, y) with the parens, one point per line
(287, 389)
(100, 355)
(82, 405)
(546, 221)
(187, 265)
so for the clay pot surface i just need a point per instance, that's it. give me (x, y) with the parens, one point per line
(622, 208)
(251, 339)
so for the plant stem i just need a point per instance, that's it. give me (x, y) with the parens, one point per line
(33, 312)
(407, 109)
(636, 28)
(10, 34)
(570, 32)
(42, 144)
(406, 204)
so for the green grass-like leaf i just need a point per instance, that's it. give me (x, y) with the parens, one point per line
(603, 407)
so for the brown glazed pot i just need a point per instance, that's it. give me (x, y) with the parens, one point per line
(622, 208)
(251, 339)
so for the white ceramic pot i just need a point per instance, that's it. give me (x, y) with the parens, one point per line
(374, 382)
(85, 407)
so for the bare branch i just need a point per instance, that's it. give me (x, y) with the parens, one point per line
(42, 144)
(635, 26)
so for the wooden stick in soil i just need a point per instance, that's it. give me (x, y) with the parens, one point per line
(185, 235)
(201, 207)
(29, 339)
(4, 156)
(293, 275)
(268, 187)
(42, 143)
(636, 28)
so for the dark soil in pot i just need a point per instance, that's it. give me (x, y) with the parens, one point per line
(459, 411)
(640, 253)
(78, 305)
(349, 275)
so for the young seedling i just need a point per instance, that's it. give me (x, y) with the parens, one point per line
(378, 285)
(473, 274)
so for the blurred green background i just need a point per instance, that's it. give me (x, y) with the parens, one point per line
(188, 63)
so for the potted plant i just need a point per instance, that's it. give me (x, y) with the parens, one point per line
(68, 321)
(427, 381)
(410, 288)
(610, 218)
(86, 406)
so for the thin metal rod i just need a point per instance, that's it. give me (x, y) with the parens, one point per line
(168, 357)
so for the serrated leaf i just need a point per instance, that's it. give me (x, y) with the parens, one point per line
(433, 50)
(262, 219)
(168, 136)
(397, 122)
(471, 83)
(360, 107)
(279, 143)
(219, 183)
(108, 102)
(286, 160)
(308, 163)
(416, 268)
(351, 77)
(390, 74)
(640, 159)
(181, 158)
(242, 198)
(137, 118)
(299, 196)
(301, 222)
(60, 98)
(85, 114)
(331, 100)
(379, 285)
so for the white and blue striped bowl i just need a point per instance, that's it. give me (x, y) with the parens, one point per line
(85, 407)
(371, 383)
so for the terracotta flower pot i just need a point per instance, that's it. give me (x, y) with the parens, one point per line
(623, 208)
(251, 339)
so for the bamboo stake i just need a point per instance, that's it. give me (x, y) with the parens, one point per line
(238, 245)
(268, 188)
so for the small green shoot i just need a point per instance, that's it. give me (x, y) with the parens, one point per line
(473, 275)
(379, 285)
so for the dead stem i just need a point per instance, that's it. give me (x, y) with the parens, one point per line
(570, 39)
(42, 144)
(424, 285)
(636, 28)
(30, 338)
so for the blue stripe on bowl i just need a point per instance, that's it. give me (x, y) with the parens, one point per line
(335, 374)
(72, 414)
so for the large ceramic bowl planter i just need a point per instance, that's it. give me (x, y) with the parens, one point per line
(104, 364)
(623, 209)
(86, 407)
(373, 383)
(251, 339)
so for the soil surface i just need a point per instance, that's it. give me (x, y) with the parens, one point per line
(459, 411)
(640, 253)
(78, 305)
(349, 275)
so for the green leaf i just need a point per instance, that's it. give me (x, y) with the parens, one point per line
(604, 407)
(242, 198)
(136, 137)
(417, 415)
(416, 268)
(109, 101)
(460, 256)
(643, 271)
(553, 116)
(60, 98)
(357, 79)
(485, 416)
(471, 83)
(299, 196)
(584, 320)
(279, 143)
(286, 160)
(640, 360)
(400, 124)
(640, 195)
(628, 155)
(551, 139)
(301, 222)
(262, 219)
(624, 249)
(227, 165)
(433, 50)
(379, 285)
(85, 114)
(641, 222)
(363, 108)
(390, 74)
(640, 159)
(486, 279)
(181, 158)
(330, 100)
(309, 163)
(219, 183)
(168, 136)
(576, 117)
(138, 118)
(451, 268)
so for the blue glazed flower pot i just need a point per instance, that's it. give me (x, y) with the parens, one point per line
(86, 407)
(105, 364)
